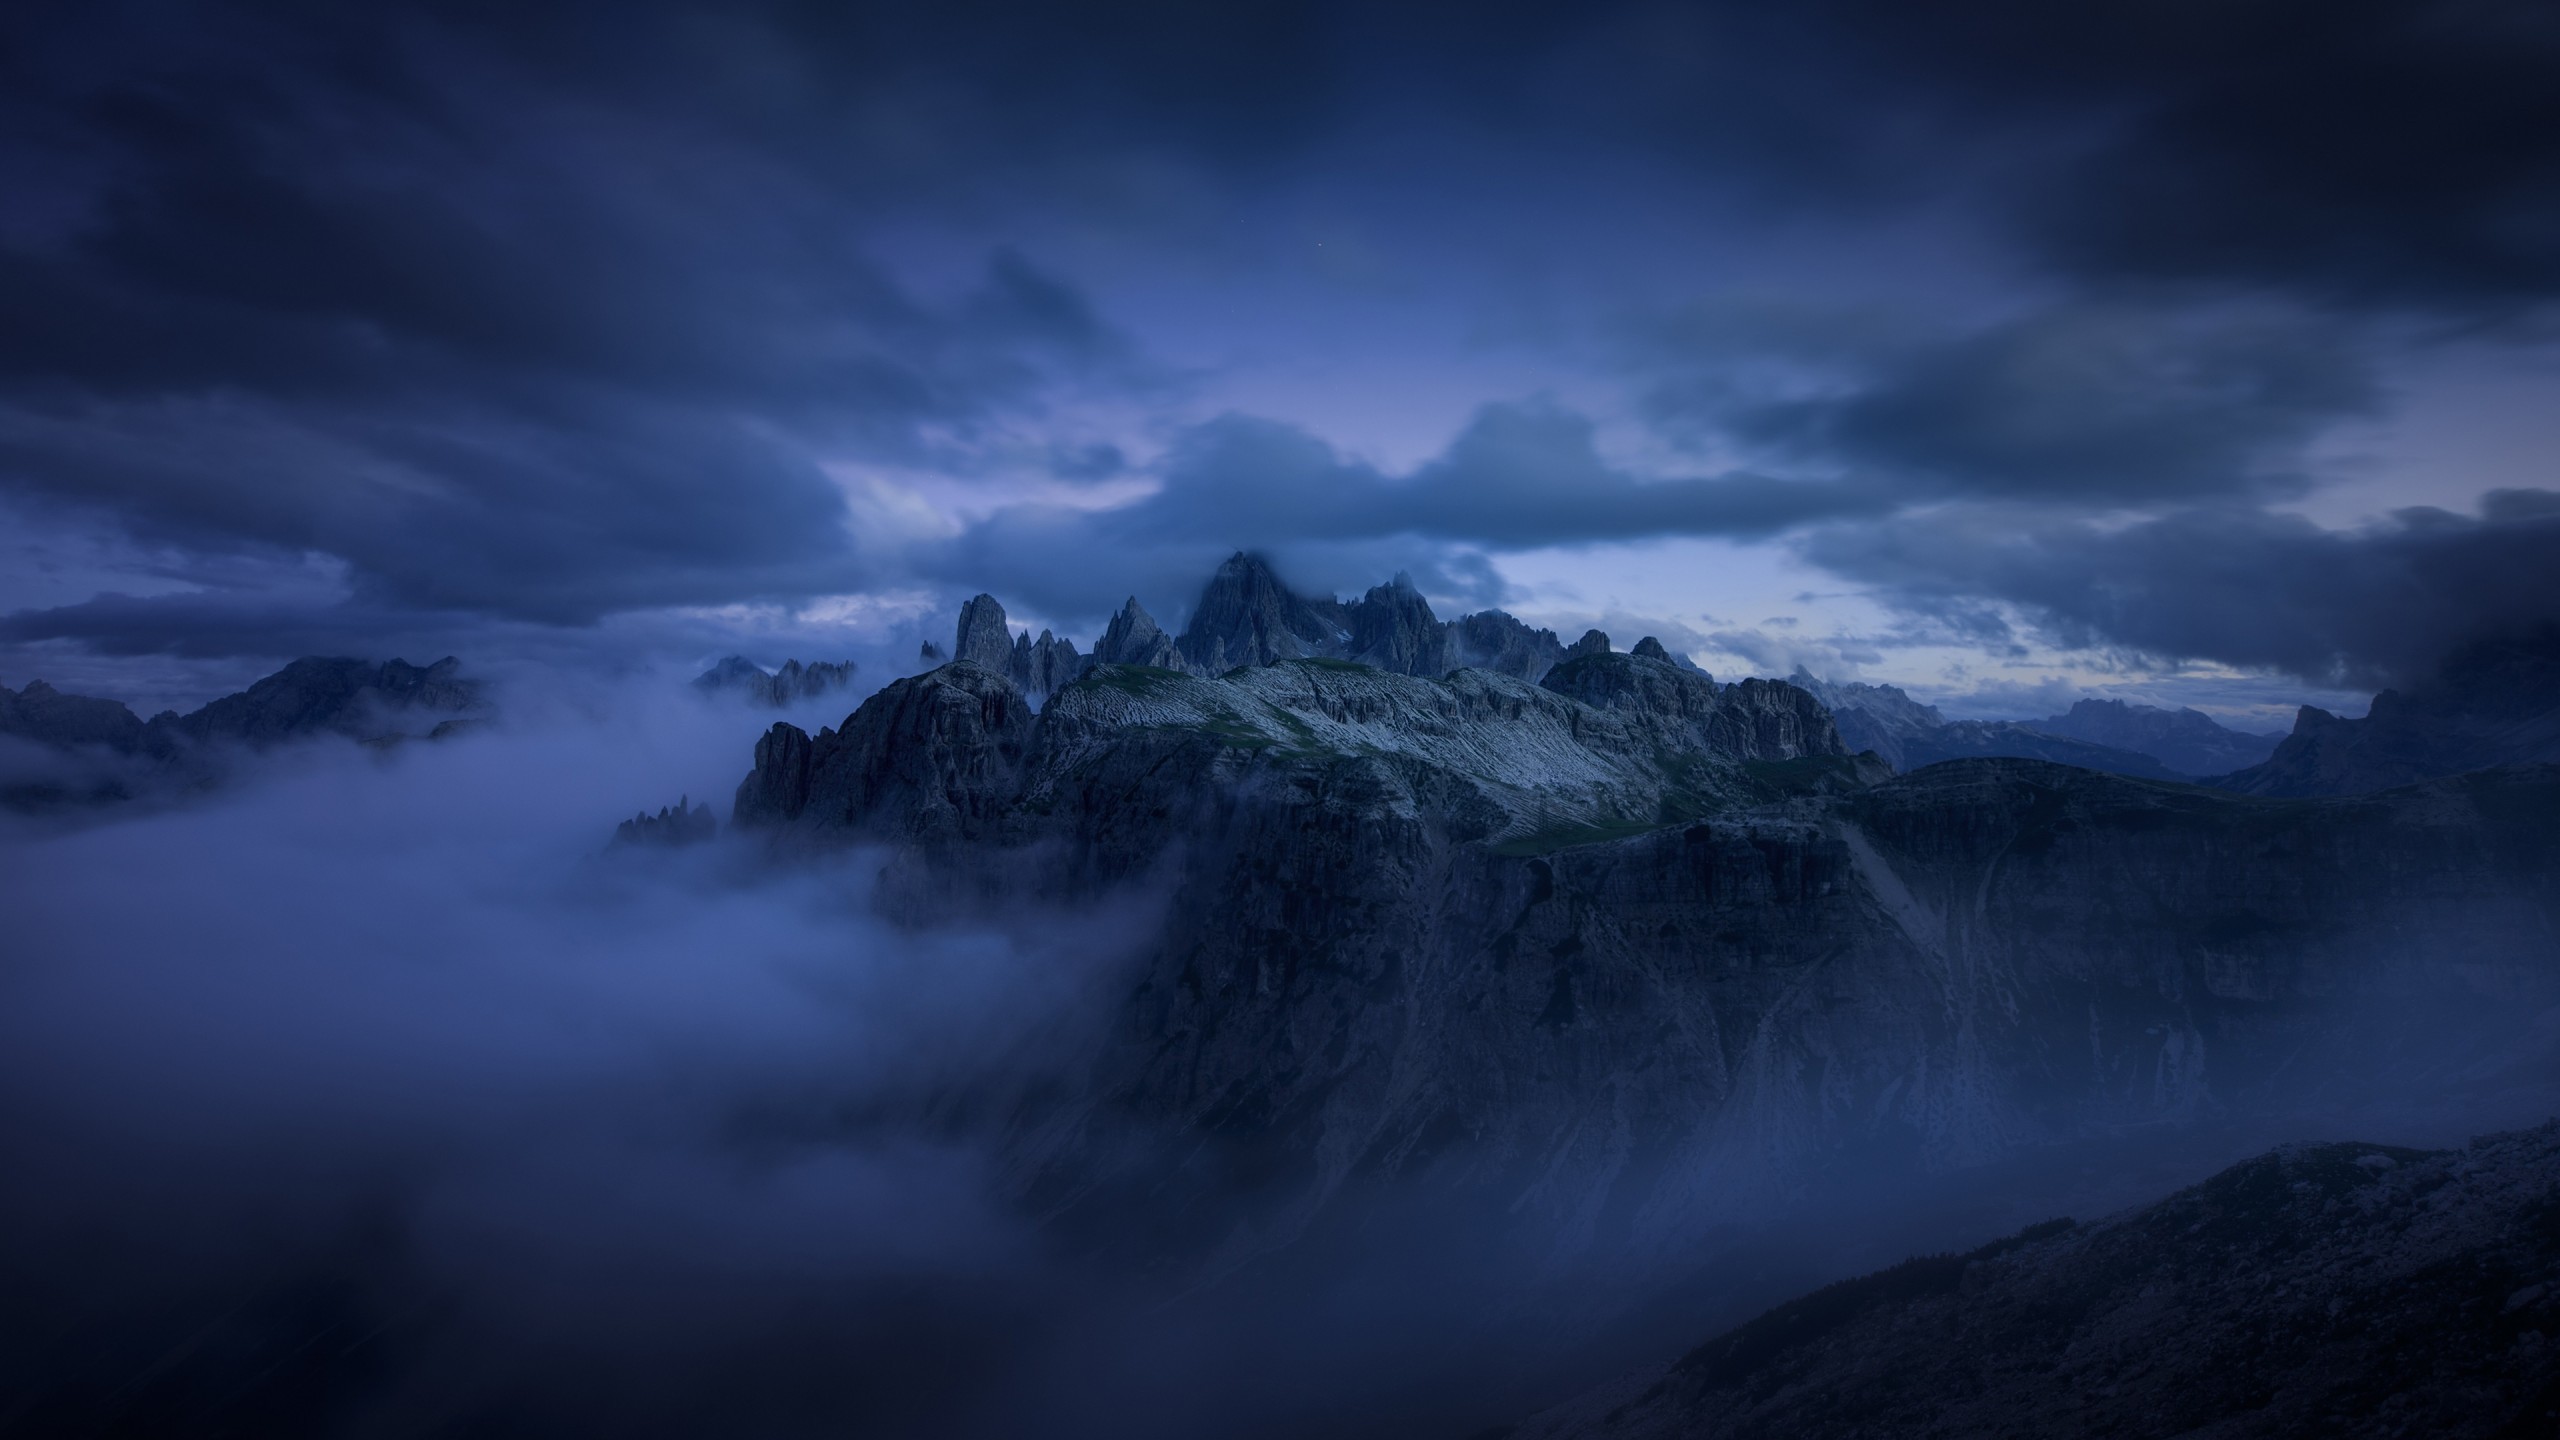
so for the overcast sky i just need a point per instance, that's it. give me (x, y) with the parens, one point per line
(2194, 352)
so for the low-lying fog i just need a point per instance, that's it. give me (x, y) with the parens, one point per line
(372, 1096)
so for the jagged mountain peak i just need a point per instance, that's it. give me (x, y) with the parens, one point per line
(1134, 638)
(983, 637)
(1246, 616)
(792, 682)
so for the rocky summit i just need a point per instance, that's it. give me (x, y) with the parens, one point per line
(2334, 1290)
(1624, 954)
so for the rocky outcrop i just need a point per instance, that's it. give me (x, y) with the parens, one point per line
(683, 823)
(793, 683)
(2186, 742)
(984, 639)
(1492, 640)
(1392, 627)
(931, 758)
(1040, 666)
(2334, 1290)
(2493, 703)
(1247, 617)
(1134, 638)
(1036, 667)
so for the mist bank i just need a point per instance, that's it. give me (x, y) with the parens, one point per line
(1241, 1090)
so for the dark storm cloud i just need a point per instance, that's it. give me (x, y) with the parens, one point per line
(1519, 476)
(350, 285)
(2366, 153)
(2083, 404)
(2239, 585)
(551, 312)
(2374, 151)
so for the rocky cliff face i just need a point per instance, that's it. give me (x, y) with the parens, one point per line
(2333, 1290)
(1627, 954)
(2495, 703)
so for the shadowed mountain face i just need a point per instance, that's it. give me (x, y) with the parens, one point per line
(1625, 955)
(2495, 703)
(2335, 1290)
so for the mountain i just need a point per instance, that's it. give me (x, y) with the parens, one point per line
(2496, 702)
(1909, 735)
(350, 698)
(2334, 1290)
(85, 750)
(1626, 954)
(46, 716)
(2188, 742)
(1246, 616)
(1134, 638)
(789, 685)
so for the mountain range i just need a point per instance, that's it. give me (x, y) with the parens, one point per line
(87, 750)
(2109, 735)
(1621, 954)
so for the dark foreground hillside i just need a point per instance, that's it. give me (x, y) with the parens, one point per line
(2329, 1290)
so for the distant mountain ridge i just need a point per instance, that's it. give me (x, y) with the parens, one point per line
(789, 685)
(2494, 702)
(314, 696)
(2187, 741)
(1909, 735)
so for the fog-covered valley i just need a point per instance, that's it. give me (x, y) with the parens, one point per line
(1170, 1059)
